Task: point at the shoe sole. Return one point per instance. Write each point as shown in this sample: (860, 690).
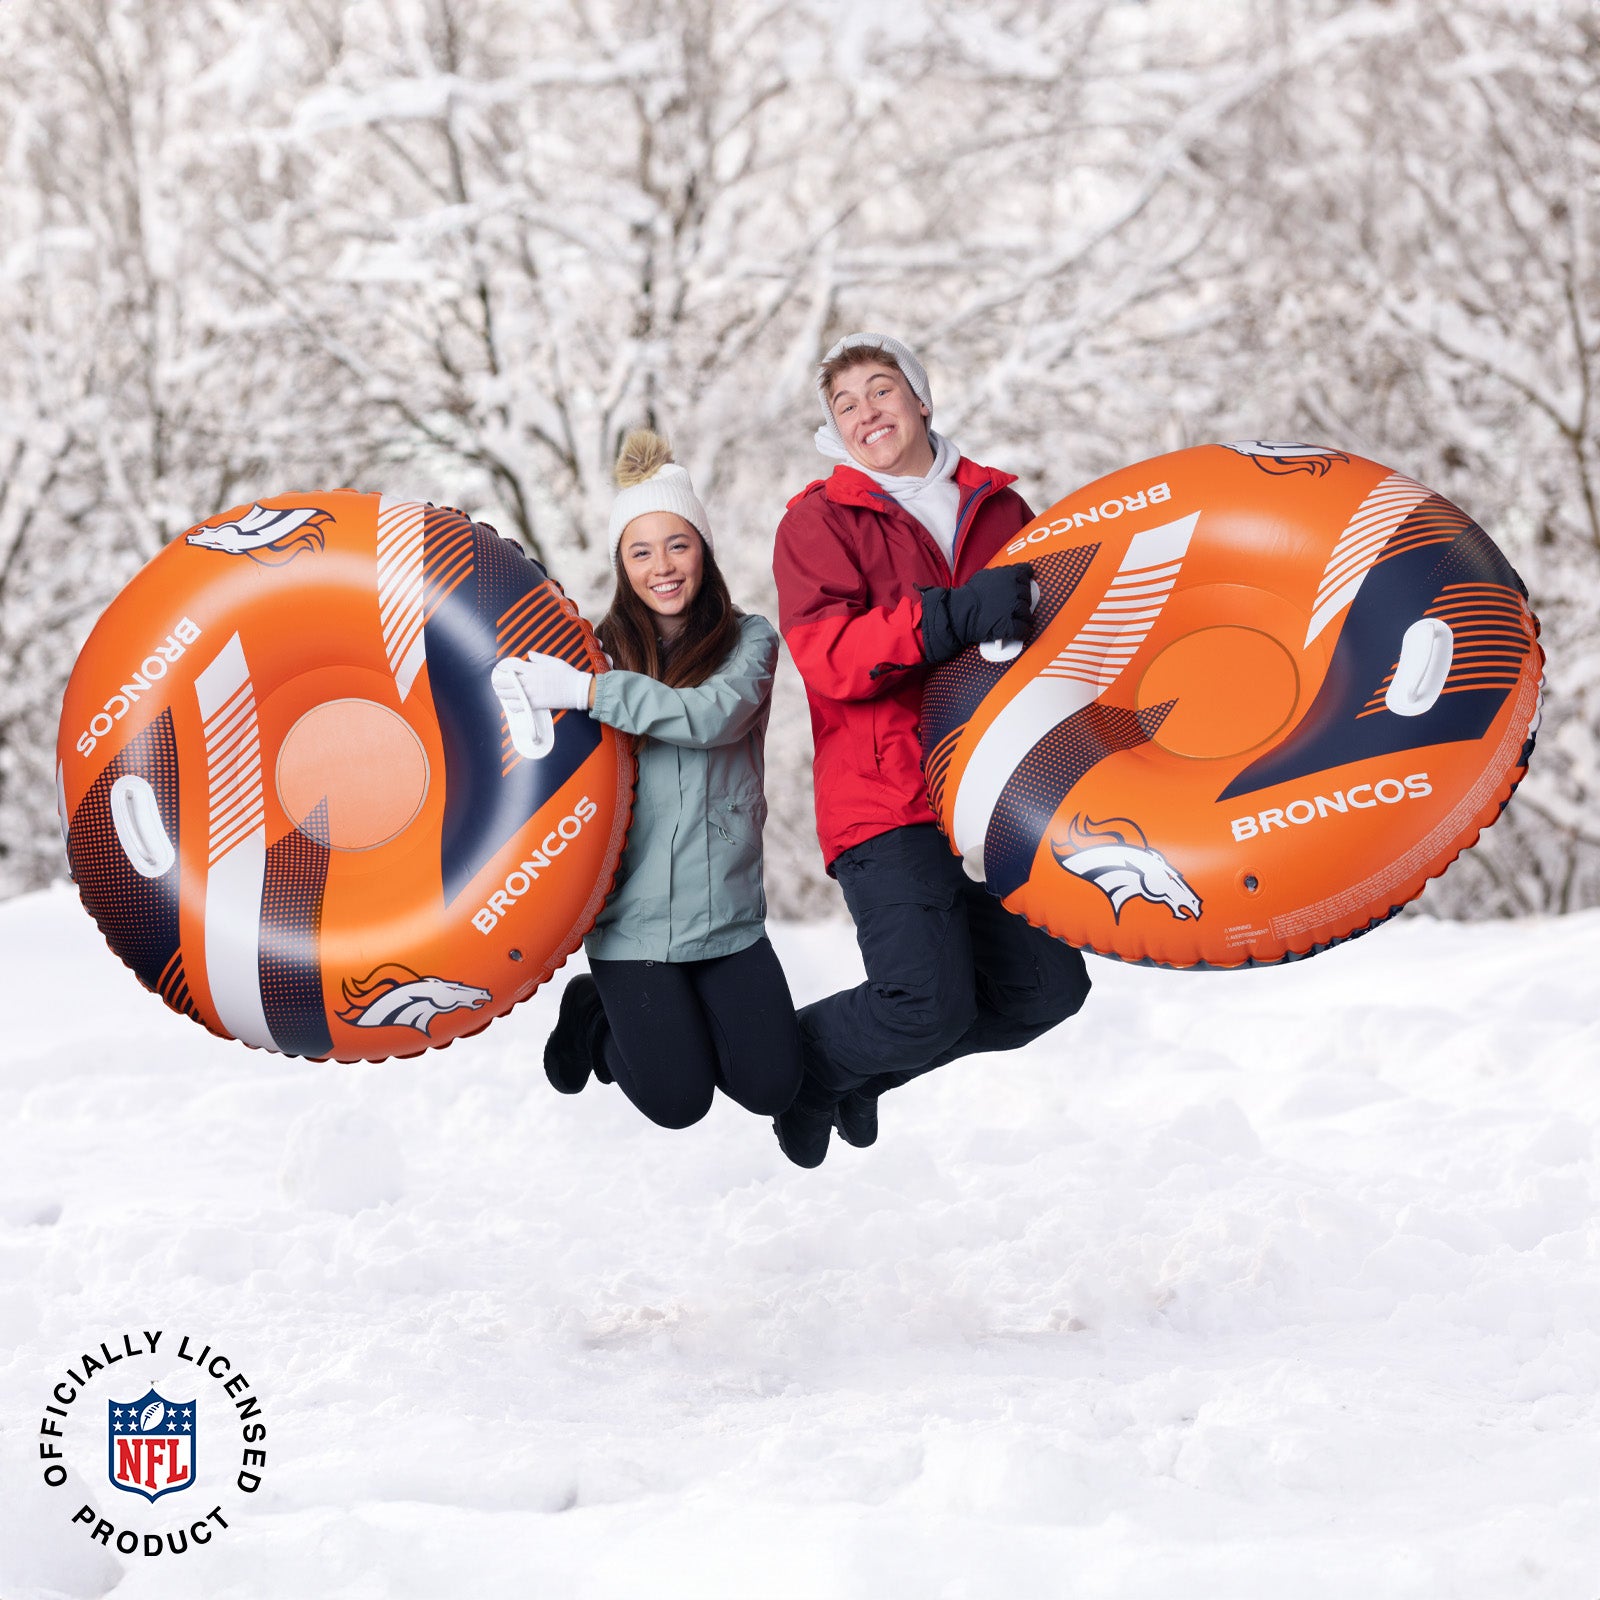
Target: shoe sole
(854, 1143)
(789, 1155)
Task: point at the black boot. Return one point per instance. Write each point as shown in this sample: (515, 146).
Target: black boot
(856, 1117)
(574, 1047)
(804, 1128)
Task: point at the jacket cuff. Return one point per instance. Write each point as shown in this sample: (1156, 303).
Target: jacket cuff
(605, 697)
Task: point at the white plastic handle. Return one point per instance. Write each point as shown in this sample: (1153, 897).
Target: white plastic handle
(1425, 656)
(998, 650)
(533, 729)
(137, 818)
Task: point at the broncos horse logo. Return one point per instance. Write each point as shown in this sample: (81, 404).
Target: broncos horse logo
(392, 996)
(1280, 457)
(268, 536)
(1116, 858)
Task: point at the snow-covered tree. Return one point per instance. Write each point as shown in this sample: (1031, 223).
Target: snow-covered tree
(1412, 250)
(455, 248)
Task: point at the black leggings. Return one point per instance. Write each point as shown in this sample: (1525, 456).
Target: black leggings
(678, 1030)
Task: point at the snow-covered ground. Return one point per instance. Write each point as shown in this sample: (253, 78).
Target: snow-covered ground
(1280, 1283)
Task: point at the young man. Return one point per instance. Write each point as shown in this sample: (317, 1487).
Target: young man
(880, 576)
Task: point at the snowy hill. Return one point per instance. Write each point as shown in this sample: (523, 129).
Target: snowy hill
(1264, 1284)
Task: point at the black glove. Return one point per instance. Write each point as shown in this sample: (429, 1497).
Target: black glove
(996, 603)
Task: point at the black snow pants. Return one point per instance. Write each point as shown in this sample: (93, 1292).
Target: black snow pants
(676, 1031)
(950, 972)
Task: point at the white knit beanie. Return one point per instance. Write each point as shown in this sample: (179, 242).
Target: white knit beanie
(911, 369)
(652, 481)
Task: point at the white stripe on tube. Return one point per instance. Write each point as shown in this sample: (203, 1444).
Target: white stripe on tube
(233, 940)
(1049, 699)
(1360, 545)
(400, 588)
(238, 844)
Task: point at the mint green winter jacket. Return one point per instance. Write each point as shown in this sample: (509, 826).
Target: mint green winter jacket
(689, 887)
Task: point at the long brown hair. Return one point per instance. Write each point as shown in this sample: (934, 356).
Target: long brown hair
(710, 627)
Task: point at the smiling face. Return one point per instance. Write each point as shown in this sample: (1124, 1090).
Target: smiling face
(883, 424)
(664, 562)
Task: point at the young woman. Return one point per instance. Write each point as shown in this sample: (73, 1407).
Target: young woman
(686, 995)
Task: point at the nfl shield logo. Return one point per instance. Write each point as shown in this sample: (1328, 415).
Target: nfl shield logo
(150, 1445)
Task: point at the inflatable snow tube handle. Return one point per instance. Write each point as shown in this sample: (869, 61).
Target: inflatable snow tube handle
(294, 800)
(136, 815)
(1426, 653)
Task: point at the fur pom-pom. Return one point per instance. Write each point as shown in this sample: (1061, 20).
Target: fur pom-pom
(644, 453)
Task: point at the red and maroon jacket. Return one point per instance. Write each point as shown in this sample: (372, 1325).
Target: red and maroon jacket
(849, 560)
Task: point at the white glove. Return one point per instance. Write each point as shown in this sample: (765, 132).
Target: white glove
(528, 691)
(546, 683)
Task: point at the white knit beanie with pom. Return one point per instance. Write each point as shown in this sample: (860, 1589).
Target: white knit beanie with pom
(649, 479)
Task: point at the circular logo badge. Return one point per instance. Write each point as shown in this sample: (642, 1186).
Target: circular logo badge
(151, 1441)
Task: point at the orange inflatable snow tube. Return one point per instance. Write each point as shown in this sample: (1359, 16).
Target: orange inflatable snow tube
(292, 799)
(1269, 691)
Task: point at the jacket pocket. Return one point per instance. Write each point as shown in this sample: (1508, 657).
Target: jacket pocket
(740, 821)
(734, 861)
(880, 732)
